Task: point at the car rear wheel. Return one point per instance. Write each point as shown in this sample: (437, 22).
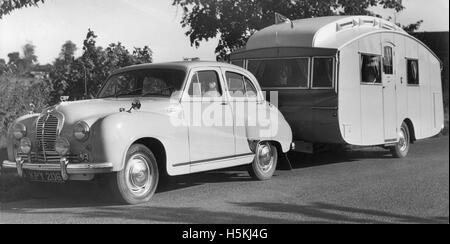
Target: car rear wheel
(137, 181)
(265, 162)
(401, 148)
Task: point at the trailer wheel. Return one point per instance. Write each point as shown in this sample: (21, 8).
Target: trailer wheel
(401, 148)
(137, 181)
(265, 162)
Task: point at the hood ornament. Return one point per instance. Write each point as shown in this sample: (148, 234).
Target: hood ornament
(136, 105)
(64, 98)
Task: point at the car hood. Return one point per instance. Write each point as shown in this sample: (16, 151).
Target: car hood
(91, 110)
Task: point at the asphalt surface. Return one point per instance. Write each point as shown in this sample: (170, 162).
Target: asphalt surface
(360, 186)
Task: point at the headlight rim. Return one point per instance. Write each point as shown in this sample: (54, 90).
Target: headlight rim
(84, 126)
(23, 130)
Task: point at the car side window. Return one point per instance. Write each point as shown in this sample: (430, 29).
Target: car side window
(250, 90)
(205, 84)
(239, 85)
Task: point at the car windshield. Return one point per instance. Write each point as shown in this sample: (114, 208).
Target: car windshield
(144, 82)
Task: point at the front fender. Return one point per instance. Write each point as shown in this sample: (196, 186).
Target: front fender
(114, 134)
(29, 121)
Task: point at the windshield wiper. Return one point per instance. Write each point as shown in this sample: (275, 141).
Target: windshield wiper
(157, 94)
(127, 92)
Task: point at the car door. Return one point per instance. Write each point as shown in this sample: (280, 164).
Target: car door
(209, 117)
(246, 104)
(389, 93)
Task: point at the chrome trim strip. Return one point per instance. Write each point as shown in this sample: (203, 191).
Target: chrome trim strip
(324, 108)
(9, 164)
(214, 160)
(84, 168)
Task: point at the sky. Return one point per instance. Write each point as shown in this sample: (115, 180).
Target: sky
(136, 23)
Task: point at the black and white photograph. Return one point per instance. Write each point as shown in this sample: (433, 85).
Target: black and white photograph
(246, 113)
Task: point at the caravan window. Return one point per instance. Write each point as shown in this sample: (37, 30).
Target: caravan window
(388, 66)
(239, 63)
(280, 73)
(323, 73)
(370, 69)
(413, 71)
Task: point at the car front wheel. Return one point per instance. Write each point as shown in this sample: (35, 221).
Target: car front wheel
(137, 181)
(265, 162)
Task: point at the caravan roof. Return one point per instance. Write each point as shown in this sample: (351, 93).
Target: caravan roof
(323, 32)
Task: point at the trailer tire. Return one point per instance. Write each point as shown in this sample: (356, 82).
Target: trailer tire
(401, 148)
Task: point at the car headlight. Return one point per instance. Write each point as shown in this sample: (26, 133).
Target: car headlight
(62, 146)
(19, 130)
(25, 145)
(81, 131)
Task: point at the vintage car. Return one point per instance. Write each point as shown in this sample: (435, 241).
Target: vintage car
(150, 120)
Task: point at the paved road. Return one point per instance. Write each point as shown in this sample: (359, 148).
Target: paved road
(361, 186)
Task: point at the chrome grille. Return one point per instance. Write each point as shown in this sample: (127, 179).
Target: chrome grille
(46, 133)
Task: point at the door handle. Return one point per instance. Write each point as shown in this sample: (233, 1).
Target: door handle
(223, 103)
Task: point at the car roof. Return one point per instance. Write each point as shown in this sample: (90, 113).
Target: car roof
(181, 65)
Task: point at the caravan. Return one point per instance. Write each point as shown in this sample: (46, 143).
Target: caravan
(355, 80)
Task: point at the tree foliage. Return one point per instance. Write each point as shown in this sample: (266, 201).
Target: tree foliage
(233, 22)
(66, 76)
(21, 64)
(6, 6)
(71, 75)
(413, 26)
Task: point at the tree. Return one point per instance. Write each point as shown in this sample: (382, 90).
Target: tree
(68, 50)
(29, 57)
(3, 66)
(6, 6)
(13, 58)
(24, 64)
(412, 27)
(233, 22)
(70, 75)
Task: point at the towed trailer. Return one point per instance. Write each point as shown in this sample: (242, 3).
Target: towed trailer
(355, 80)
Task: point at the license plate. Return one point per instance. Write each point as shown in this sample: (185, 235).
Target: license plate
(44, 176)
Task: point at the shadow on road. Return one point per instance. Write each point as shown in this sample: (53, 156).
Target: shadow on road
(257, 213)
(335, 213)
(303, 160)
(95, 193)
(89, 194)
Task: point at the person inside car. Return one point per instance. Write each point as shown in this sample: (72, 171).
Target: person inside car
(212, 90)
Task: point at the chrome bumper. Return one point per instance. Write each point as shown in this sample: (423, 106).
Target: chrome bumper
(64, 166)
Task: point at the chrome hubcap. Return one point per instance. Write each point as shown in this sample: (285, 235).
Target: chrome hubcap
(139, 175)
(264, 157)
(403, 140)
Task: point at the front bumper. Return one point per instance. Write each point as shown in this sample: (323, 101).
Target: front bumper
(64, 167)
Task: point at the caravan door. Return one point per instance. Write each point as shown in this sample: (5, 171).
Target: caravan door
(389, 94)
